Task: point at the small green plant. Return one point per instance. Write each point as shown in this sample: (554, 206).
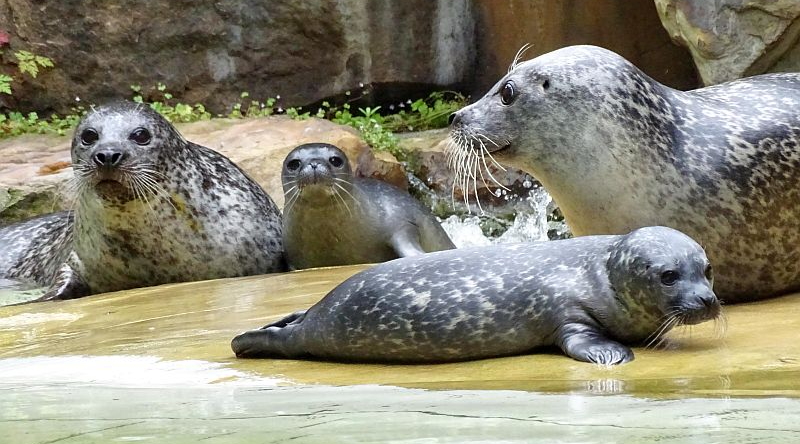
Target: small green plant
(27, 63)
(428, 113)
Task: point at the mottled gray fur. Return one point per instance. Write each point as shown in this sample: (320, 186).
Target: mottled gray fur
(587, 295)
(618, 150)
(151, 208)
(334, 218)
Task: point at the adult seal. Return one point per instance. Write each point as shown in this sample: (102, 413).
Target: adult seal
(334, 218)
(587, 295)
(151, 208)
(618, 150)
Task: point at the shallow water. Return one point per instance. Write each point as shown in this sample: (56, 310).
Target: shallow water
(155, 364)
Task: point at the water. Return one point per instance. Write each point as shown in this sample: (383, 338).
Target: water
(535, 220)
(155, 365)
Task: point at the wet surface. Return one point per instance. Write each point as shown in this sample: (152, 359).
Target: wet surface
(155, 364)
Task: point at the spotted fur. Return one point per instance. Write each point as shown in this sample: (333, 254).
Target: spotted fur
(586, 295)
(618, 151)
(174, 211)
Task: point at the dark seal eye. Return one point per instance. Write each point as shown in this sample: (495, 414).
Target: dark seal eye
(669, 277)
(546, 84)
(336, 161)
(293, 165)
(140, 136)
(89, 136)
(508, 93)
(709, 273)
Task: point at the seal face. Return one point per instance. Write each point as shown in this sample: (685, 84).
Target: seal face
(618, 151)
(334, 218)
(151, 208)
(587, 295)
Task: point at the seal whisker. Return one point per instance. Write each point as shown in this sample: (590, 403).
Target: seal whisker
(518, 56)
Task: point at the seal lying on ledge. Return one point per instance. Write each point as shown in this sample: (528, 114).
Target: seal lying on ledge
(151, 208)
(618, 150)
(334, 218)
(586, 295)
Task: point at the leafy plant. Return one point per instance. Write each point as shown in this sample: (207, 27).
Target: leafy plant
(29, 63)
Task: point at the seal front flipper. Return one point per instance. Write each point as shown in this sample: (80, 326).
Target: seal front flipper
(68, 285)
(586, 344)
(405, 242)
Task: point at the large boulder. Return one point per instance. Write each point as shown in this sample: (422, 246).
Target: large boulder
(34, 170)
(304, 51)
(209, 51)
(730, 39)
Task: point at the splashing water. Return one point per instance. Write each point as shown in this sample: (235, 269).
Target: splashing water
(533, 222)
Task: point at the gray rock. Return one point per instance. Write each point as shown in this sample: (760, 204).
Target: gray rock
(729, 39)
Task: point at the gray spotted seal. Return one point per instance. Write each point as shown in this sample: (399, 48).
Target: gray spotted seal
(151, 208)
(618, 150)
(334, 218)
(587, 295)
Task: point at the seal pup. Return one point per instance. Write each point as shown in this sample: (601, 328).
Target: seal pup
(150, 208)
(334, 218)
(618, 150)
(587, 295)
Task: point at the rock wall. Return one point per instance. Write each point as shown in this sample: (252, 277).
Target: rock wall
(304, 51)
(211, 51)
(729, 39)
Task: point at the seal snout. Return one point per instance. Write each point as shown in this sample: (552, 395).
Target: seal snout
(701, 306)
(108, 158)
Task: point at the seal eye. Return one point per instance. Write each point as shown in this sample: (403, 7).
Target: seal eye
(709, 273)
(508, 93)
(293, 165)
(546, 84)
(141, 136)
(89, 136)
(669, 277)
(336, 161)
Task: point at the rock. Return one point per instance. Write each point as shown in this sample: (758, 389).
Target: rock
(34, 171)
(211, 51)
(729, 39)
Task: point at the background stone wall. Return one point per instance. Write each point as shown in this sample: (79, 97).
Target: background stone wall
(211, 51)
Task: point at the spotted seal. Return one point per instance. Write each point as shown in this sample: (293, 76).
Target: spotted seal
(151, 208)
(586, 295)
(618, 150)
(334, 218)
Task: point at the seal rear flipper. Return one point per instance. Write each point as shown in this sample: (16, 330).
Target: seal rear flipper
(293, 318)
(267, 342)
(68, 285)
(584, 343)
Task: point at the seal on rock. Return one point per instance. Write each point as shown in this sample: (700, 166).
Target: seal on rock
(587, 295)
(333, 218)
(618, 150)
(151, 208)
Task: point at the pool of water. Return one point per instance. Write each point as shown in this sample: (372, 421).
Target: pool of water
(155, 365)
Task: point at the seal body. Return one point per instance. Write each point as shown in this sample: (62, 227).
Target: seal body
(34, 250)
(151, 208)
(334, 218)
(587, 295)
(618, 151)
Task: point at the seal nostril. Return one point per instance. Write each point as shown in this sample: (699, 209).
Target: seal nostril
(116, 158)
(452, 118)
(100, 159)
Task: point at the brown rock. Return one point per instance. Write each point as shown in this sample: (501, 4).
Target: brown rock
(34, 169)
(730, 39)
